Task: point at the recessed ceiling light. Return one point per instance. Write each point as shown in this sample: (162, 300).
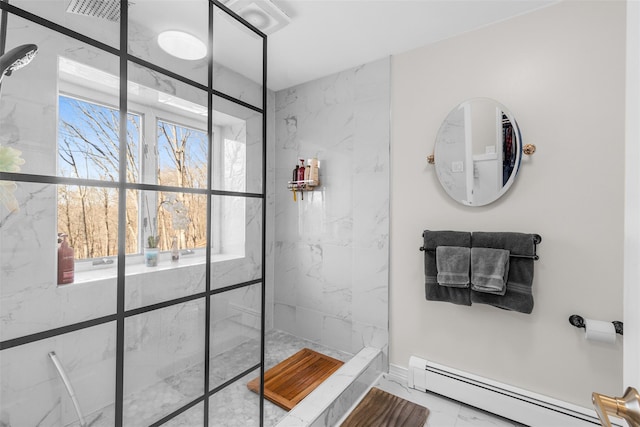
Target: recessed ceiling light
(182, 45)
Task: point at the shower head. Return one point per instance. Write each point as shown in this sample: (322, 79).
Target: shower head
(16, 58)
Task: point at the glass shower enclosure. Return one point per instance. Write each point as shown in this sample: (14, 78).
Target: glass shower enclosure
(132, 211)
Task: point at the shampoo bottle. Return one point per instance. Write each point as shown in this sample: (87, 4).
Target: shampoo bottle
(314, 173)
(301, 170)
(307, 171)
(65, 262)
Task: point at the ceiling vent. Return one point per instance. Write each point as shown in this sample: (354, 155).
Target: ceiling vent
(105, 9)
(262, 14)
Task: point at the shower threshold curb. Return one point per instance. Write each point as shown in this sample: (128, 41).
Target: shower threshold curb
(329, 402)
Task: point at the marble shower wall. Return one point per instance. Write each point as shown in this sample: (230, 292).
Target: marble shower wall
(332, 248)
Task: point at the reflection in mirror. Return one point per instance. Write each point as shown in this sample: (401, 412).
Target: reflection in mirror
(478, 151)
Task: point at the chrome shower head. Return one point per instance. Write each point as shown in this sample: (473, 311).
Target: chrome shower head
(16, 58)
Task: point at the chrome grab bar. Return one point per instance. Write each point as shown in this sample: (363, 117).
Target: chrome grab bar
(69, 387)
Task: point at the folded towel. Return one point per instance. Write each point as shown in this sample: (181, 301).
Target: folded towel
(518, 295)
(452, 263)
(489, 270)
(433, 291)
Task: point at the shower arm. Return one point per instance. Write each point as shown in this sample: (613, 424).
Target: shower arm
(68, 386)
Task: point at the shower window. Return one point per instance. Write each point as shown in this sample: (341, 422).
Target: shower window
(182, 155)
(88, 148)
(88, 217)
(88, 144)
(181, 158)
(179, 215)
(174, 155)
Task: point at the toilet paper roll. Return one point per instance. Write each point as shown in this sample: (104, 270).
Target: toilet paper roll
(600, 331)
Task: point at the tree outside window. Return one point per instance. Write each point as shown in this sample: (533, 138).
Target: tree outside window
(88, 148)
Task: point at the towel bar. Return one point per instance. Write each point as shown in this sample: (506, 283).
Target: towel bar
(534, 257)
(536, 241)
(536, 238)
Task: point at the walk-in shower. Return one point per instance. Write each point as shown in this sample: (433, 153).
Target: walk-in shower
(126, 153)
(153, 169)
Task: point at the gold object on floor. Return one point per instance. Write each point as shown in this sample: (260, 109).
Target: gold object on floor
(626, 407)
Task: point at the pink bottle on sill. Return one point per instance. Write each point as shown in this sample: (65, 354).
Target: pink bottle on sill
(65, 262)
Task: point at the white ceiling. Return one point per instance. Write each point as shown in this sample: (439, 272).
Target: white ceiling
(328, 36)
(324, 36)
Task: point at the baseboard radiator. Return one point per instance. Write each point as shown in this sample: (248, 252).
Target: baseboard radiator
(501, 399)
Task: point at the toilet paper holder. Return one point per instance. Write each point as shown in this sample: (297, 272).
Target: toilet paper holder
(578, 322)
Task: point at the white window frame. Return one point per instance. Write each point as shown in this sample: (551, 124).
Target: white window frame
(147, 154)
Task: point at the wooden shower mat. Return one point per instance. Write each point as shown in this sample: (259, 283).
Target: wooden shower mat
(381, 409)
(291, 380)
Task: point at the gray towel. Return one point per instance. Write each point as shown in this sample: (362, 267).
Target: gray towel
(452, 263)
(489, 270)
(518, 296)
(433, 291)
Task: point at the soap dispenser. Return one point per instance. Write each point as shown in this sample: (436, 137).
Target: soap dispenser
(65, 261)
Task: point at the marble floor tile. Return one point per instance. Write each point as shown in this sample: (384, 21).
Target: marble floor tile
(240, 406)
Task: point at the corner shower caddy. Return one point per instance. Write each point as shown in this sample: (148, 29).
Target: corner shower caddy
(304, 185)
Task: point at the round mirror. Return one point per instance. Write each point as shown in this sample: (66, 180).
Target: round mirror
(478, 151)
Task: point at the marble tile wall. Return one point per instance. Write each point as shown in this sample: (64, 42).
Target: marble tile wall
(31, 390)
(332, 248)
(30, 301)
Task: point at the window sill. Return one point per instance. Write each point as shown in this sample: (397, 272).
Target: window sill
(136, 266)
